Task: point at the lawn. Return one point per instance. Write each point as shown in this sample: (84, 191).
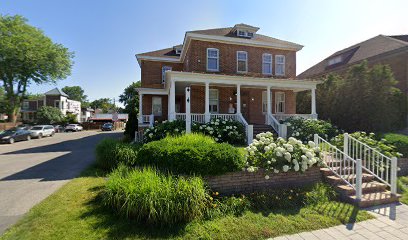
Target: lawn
(75, 212)
(403, 187)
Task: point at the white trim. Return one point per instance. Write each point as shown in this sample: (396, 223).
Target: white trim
(152, 91)
(246, 61)
(158, 59)
(218, 60)
(271, 63)
(169, 68)
(278, 63)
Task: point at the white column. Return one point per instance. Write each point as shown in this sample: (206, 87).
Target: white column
(313, 101)
(207, 102)
(268, 100)
(188, 110)
(238, 99)
(140, 108)
(172, 96)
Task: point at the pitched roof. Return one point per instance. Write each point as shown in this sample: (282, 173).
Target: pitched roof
(372, 47)
(166, 52)
(56, 91)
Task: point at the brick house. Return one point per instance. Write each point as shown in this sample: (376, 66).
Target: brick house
(54, 98)
(231, 72)
(381, 49)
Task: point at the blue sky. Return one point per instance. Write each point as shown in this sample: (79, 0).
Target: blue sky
(106, 34)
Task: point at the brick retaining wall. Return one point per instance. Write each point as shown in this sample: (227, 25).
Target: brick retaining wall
(403, 164)
(246, 182)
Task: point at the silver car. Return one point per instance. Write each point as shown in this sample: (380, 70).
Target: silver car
(39, 131)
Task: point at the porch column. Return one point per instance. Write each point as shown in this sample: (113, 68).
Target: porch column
(172, 100)
(314, 114)
(140, 108)
(238, 98)
(207, 102)
(268, 104)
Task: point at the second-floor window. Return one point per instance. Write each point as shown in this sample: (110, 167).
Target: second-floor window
(279, 65)
(267, 64)
(242, 62)
(164, 70)
(212, 59)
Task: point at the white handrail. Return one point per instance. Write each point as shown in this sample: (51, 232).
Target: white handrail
(374, 162)
(280, 129)
(249, 130)
(341, 164)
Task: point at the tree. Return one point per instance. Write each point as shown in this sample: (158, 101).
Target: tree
(28, 56)
(3, 102)
(76, 93)
(103, 103)
(70, 118)
(49, 115)
(130, 98)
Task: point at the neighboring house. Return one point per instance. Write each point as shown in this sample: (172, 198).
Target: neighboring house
(390, 50)
(109, 117)
(233, 72)
(87, 114)
(54, 98)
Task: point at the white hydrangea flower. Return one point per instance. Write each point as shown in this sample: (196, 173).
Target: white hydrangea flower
(311, 144)
(285, 168)
(288, 156)
(276, 171)
(296, 167)
(266, 177)
(268, 162)
(267, 148)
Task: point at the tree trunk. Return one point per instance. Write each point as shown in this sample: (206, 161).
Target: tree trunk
(13, 113)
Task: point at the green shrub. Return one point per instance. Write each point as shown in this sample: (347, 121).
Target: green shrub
(164, 129)
(400, 141)
(229, 131)
(111, 152)
(304, 129)
(191, 154)
(380, 144)
(155, 198)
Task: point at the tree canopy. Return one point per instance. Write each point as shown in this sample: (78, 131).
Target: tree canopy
(364, 99)
(75, 93)
(49, 115)
(130, 98)
(28, 56)
(105, 104)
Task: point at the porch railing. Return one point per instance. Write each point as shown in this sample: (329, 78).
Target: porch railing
(374, 162)
(225, 116)
(284, 116)
(280, 128)
(195, 117)
(249, 129)
(147, 120)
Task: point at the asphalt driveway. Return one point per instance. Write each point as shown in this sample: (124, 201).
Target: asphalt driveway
(31, 171)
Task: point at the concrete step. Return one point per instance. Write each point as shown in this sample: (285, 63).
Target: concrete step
(367, 187)
(374, 199)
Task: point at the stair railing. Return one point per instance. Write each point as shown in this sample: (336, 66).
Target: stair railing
(374, 162)
(249, 129)
(280, 128)
(342, 165)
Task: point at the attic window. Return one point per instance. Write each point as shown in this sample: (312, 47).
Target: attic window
(178, 51)
(334, 60)
(242, 33)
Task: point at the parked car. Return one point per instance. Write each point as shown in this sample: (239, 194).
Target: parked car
(24, 126)
(58, 128)
(107, 127)
(14, 135)
(40, 131)
(73, 128)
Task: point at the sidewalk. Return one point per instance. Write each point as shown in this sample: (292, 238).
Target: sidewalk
(391, 223)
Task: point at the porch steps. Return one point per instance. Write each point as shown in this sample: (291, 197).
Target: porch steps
(373, 192)
(263, 128)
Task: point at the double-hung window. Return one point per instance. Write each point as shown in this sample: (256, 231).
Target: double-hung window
(265, 102)
(164, 70)
(213, 60)
(279, 65)
(214, 101)
(279, 102)
(242, 62)
(267, 64)
(157, 106)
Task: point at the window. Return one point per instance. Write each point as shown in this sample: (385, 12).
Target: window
(213, 100)
(212, 59)
(164, 70)
(26, 105)
(267, 64)
(250, 34)
(178, 51)
(241, 33)
(242, 61)
(279, 102)
(157, 106)
(264, 102)
(279, 65)
(334, 60)
(57, 103)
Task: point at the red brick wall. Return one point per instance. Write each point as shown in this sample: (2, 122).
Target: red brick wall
(245, 182)
(152, 73)
(196, 58)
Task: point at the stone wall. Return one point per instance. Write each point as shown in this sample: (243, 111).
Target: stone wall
(246, 182)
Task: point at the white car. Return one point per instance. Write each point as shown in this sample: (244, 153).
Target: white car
(73, 128)
(39, 131)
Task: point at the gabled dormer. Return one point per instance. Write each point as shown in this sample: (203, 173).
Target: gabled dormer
(244, 30)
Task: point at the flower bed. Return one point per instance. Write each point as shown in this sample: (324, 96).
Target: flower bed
(279, 155)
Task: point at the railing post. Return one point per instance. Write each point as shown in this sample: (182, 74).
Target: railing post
(283, 130)
(316, 139)
(359, 179)
(345, 145)
(151, 120)
(250, 134)
(394, 167)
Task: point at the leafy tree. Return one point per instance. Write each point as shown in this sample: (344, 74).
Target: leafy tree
(3, 102)
(103, 103)
(49, 115)
(28, 56)
(70, 118)
(130, 98)
(362, 99)
(76, 93)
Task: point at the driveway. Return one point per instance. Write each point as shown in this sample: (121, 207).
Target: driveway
(31, 171)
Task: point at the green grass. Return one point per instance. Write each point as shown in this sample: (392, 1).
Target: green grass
(76, 212)
(403, 187)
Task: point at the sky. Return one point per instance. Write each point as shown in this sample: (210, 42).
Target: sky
(105, 35)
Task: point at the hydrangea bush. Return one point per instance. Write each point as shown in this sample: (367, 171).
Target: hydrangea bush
(279, 155)
(163, 129)
(304, 129)
(229, 131)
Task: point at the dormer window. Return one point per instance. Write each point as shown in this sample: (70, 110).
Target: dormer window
(241, 33)
(244, 33)
(334, 60)
(178, 51)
